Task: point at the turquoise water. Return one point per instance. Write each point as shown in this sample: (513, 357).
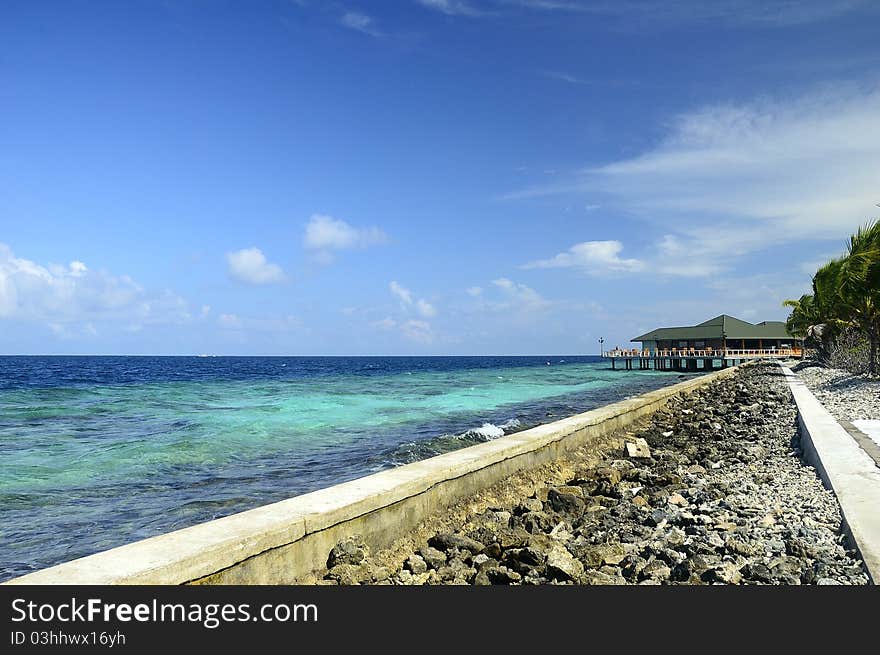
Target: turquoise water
(96, 452)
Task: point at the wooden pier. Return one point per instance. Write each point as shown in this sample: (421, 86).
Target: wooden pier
(693, 361)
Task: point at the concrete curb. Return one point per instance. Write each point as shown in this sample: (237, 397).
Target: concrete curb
(288, 541)
(845, 468)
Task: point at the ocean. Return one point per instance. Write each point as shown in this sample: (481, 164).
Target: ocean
(96, 452)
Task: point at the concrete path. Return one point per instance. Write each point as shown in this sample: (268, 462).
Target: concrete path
(845, 468)
(869, 427)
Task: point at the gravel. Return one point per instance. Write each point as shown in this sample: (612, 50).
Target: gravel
(848, 397)
(715, 494)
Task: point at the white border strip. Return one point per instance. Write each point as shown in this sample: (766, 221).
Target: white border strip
(845, 468)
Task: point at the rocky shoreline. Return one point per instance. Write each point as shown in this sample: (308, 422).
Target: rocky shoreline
(710, 490)
(848, 397)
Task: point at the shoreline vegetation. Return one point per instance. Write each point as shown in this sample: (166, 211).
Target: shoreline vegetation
(841, 318)
(712, 489)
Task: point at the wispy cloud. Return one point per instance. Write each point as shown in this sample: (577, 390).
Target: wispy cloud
(251, 267)
(425, 308)
(325, 234)
(359, 22)
(408, 300)
(804, 167)
(516, 296)
(545, 5)
(452, 7)
(418, 331)
(748, 13)
(386, 323)
(562, 76)
(736, 178)
(404, 294)
(594, 257)
(648, 14)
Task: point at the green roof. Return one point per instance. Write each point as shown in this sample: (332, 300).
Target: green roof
(718, 327)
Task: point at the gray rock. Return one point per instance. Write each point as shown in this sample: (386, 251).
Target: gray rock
(501, 575)
(561, 565)
(449, 540)
(433, 557)
(350, 574)
(565, 503)
(726, 573)
(350, 550)
(656, 570)
(529, 505)
(416, 564)
(601, 578)
(638, 449)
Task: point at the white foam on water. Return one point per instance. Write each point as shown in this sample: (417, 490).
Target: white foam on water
(490, 431)
(487, 431)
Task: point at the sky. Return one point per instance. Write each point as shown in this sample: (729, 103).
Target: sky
(422, 177)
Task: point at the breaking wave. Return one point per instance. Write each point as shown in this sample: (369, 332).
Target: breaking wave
(413, 451)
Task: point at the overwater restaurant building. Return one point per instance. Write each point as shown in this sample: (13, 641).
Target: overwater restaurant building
(722, 333)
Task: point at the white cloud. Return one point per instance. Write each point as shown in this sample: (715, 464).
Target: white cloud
(419, 331)
(359, 22)
(451, 7)
(562, 76)
(732, 179)
(206, 309)
(64, 295)
(251, 266)
(425, 308)
(325, 233)
(386, 323)
(649, 14)
(792, 169)
(750, 13)
(593, 257)
(415, 330)
(517, 296)
(401, 292)
(474, 291)
(673, 256)
(408, 300)
(690, 257)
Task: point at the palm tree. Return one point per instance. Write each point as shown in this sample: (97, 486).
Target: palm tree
(804, 322)
(846, 294)
(858, 286)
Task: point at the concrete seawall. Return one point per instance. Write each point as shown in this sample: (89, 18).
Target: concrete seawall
(286, 542)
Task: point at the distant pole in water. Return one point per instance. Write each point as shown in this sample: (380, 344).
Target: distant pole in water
(601, 351)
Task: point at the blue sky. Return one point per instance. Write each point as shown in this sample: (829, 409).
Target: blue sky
(422, 176)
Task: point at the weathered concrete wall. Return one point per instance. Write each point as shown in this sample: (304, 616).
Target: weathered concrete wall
(287, 541)
(845, 468)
